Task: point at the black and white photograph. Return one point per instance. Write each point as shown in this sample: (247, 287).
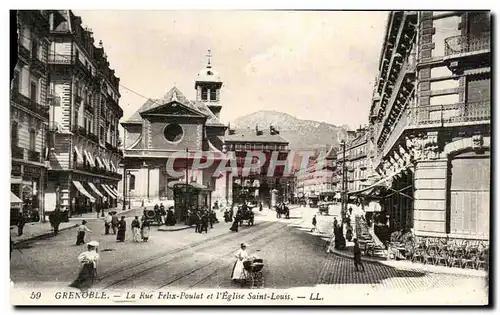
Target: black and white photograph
(250, 157)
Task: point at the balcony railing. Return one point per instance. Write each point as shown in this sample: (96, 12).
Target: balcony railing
(28, 103)
(109, 146)
(33, 156)
(89, 106)
(17, 152)
(79, 130)
(435, 116)
(24, 52)
(61, 59)
(451, 113)
(466, 43)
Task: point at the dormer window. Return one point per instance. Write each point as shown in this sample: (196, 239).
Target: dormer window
(213, 94)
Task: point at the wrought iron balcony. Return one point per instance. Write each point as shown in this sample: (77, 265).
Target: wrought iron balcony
(109, 146)
(17, 152)
(78, 99)
(33, 156)
(30, 104)
(467, 44)
(24, 52)
(79, 130)
(89, 106)
(451, 113)
(61, 59)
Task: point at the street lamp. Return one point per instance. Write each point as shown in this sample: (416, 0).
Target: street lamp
(145, 165)
(129, 175)
(124, 187)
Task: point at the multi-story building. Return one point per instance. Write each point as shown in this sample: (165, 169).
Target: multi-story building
(83, 134)
(317, 178)
(357, 148)
(29, 113)
(260, 184)
(178, 131)
(430, 118)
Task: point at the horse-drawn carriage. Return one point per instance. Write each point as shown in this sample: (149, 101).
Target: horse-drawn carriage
(154, 217)
(282, 210)
(245, 213)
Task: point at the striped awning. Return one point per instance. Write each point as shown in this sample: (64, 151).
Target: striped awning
(106, 163)
(108, 191)
(89, 157)
(99, 161)
(83, 191)
(79, 155)
(113, 190)
(14, 198)
(477, 71)
(97, 192)
(113, 168)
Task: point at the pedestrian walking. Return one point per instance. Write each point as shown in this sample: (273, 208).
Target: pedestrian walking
(88, 273)
(197, 218)
(80, 233)
(21, 222)
(234, 226)
(357, 256)
(107, 223)
(145, 229)
(114, 222)
(314, 222)
(204, 223)
(122, 228)
(136, 229)
(55, 219)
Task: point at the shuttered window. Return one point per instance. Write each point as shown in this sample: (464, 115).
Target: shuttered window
(470, 196)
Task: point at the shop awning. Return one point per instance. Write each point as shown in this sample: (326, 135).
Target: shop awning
(99, 161)
(82, 190)
(113, 190)
(368, 190)
(98, 193)
(113, 168)
(106, 189)
(89, 157)
(106, 164)
(14, 198)
(79, 155)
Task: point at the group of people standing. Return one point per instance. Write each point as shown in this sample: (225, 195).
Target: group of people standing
(163, 216)
(202, 219)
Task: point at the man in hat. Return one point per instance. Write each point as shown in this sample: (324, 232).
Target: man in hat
(107, 223)
(80, 233)
(88, 273)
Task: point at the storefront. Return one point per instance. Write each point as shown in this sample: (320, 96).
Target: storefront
(194, 196)
(27, 184)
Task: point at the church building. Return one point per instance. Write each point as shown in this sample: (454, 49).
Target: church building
(176, 130)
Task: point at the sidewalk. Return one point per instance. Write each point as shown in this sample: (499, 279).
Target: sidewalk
(38, 230)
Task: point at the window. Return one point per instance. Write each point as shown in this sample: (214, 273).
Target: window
(102, 133)
(14, 134)
(15, 81)
(77, 54)
(32, 140)
(248, 146)
(213, 94)
(33, 91)
(258, 146)
(204, 94)
(76, 122)
(34, 49)
(173, 133)
(238, 147)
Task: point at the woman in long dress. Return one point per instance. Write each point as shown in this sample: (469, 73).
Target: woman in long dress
(80, 233)
(122, 227)
(145, 229)
(88, 273)
(241, 257)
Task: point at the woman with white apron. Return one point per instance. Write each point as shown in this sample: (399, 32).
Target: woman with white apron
(241, 257)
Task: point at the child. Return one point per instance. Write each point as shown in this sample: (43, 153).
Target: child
(357, 256)
(80, 236)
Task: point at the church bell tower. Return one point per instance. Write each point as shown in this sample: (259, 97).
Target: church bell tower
(208, 85)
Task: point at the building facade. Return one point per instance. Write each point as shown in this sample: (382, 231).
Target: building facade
(318, 177)
(430, 123)
(179, 131)
(83, 136)
(259, 183)
(29, 113)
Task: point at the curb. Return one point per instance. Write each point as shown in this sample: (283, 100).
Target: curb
(170, 229)
(43, 235)
(414, 266)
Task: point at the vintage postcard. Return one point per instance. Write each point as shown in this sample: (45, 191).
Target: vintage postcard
(250, 157)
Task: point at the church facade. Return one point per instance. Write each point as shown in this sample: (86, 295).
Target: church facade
(165, 140)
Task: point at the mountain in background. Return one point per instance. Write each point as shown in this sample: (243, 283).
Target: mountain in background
(301, 134)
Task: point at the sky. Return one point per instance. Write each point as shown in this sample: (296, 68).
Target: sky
(315, 65)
